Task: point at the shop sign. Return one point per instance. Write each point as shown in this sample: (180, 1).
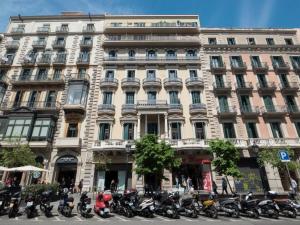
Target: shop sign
(67, 160)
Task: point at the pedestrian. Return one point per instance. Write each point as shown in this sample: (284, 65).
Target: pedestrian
(113, 186)
(184, 184)
(224, 186)
(189, 183)
(177, 182)
(215, 187)
(294, 185)
(72, 186)
(80, 185)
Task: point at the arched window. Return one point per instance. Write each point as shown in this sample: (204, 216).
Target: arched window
(131, 53)
(171, 54)
(191, 53)
(151, 54)
(112, 54)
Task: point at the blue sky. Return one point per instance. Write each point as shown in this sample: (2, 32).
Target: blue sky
(213, 13)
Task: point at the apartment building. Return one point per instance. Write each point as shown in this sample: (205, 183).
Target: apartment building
(77, 87)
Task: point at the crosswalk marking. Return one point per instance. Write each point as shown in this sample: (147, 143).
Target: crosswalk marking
(16, 218)
(120, 218)
(162, 218)
(78, 218)
(143, 219)
(186, 219)
(57, 219)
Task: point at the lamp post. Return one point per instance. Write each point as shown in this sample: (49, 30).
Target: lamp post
(127, 149)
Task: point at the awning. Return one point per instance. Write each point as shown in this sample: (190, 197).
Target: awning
(26, 168)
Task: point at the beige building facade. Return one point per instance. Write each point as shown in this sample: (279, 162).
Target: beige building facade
(78, 88)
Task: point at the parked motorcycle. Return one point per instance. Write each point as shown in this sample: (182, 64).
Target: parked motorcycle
(249, 206)
(294, 202)
(122, 204)
(4, 200)
(230, 206)
(84, 205)
(165, 205)
(45, 206)
(206, 203)
(268, 206)
(14, 204)
(66, 204)
(186, 205)
(101, 206)
(143, 207)
(30, 208)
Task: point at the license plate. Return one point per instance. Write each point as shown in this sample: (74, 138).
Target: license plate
(106, 210)
(277, 207)
(29, 204)
(151, 207)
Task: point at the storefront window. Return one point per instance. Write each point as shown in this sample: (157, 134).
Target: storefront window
(77, 94)
(18, 128)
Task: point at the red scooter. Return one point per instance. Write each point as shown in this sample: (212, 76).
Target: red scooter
(102, 204)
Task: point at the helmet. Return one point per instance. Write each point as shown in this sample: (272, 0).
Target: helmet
(66, 190)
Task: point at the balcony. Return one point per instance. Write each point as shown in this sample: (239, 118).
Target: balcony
(17, 30)
(152, 105)
(44, 80)
(40, 106)
(281, 67)
(217, 67)
(112, 145)
(249, 111)
(44, 60)
(79, 77)
(238, 67)
(88, 30)
(198, 108)
(6, 62)
(86, 44)
(130, 83)
(129, 109)
(29, 60)
(61, 44)
(74, 111)
(109, 83)
(106, 109)
(43, 30)
(62, 30)
(172, 83)
(274, 142)
(12, 45)
(267, 87)
(151, 40)
(289, 88)
(274, 111)
(293, 110)
(152, 83)
(60, 59)
(175, 109)
(83, 60)
(260, 67)
(68, 142)
(222, 88)
(227, 112)
(245, 87)
(194, 82)
(39, 44)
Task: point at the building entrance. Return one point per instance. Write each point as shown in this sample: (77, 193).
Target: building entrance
(66, 167)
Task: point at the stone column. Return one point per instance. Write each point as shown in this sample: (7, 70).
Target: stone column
(138, 132)
(158, 125)
(273, 178)
(166, 126)
(167, 184)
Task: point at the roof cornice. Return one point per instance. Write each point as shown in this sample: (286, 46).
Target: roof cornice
(248, 31)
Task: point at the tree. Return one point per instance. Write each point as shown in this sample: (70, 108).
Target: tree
(152, 157)
(226, 157)
(19, 155)
(271, 156)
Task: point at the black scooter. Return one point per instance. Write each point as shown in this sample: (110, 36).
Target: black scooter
(268, 206)
(165, 205)
(230, 206)
(4, 200)
(186, 205)
(14, 204)
(249, 206)
(84, 205)
(66, 204)
(45, 206)
(30, 208)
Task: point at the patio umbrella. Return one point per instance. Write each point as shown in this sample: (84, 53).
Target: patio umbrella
(26, 168)
(2, 168)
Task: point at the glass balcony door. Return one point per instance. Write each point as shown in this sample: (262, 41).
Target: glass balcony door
(223, 104)
(269, 103)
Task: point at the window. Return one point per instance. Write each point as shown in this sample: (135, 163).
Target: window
(174, 100)
(295, 62)
(84, 56)
(77, 94)
(18, 98)
(110, 74)
(72, 130)
(112, 54)
(32, 102)
(90, 27)
(245, 103)
(251, 130)
(87, 40)
(107, 98)
(191, 53)
(151, 54)
(251, 41)
(289, 41)
(255, 60)
(236, 61)
(270, 41)
(60, 41)
(104, 132)
(2, 92)
(196, 97)
(297, 125)
(81, 73)
(277, 61)
(25, 75)
(171, 54)
(42, 130)
(131, 74)
(223, 104)
(172, 74)
(18, 128)
(231, 41)
(228, 129)
(42, 74)
(276, 130)
(3, 127)
(131, 53)
(216, 61)
(284, 81)
(128, 133)
(57, 74)
(64, 28)
(262, 80)
(291, 103)
(212, 41)
(268, 103)
(176, 131)
(219, 81)
(151, 74)
(151, 97)
(50, 99)
(240, 81)
(200, 130)
(2, 74)
(129, 98)
(193, 74)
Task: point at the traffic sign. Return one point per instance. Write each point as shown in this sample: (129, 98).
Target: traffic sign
(284, 156)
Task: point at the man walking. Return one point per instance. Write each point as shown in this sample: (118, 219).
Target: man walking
(224, 186)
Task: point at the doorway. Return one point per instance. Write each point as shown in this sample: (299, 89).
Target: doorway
(66, 167)
(152, 128)
(109, 176)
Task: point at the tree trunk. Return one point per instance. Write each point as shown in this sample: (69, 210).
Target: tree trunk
(229, 184)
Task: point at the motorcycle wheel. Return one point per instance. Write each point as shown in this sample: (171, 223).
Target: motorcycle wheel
(194, 214)
(48, 214)
(112, 208)
(275, 214)
(255, 214)
(294, 214)
(78, 208)
(236, 213)
(213, 212)
(11, 213)
(42, 208)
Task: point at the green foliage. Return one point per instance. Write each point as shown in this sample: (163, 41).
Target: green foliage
(271, 156)
(37, 189)
(152, 157)
(19, 155)
(226, 157)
